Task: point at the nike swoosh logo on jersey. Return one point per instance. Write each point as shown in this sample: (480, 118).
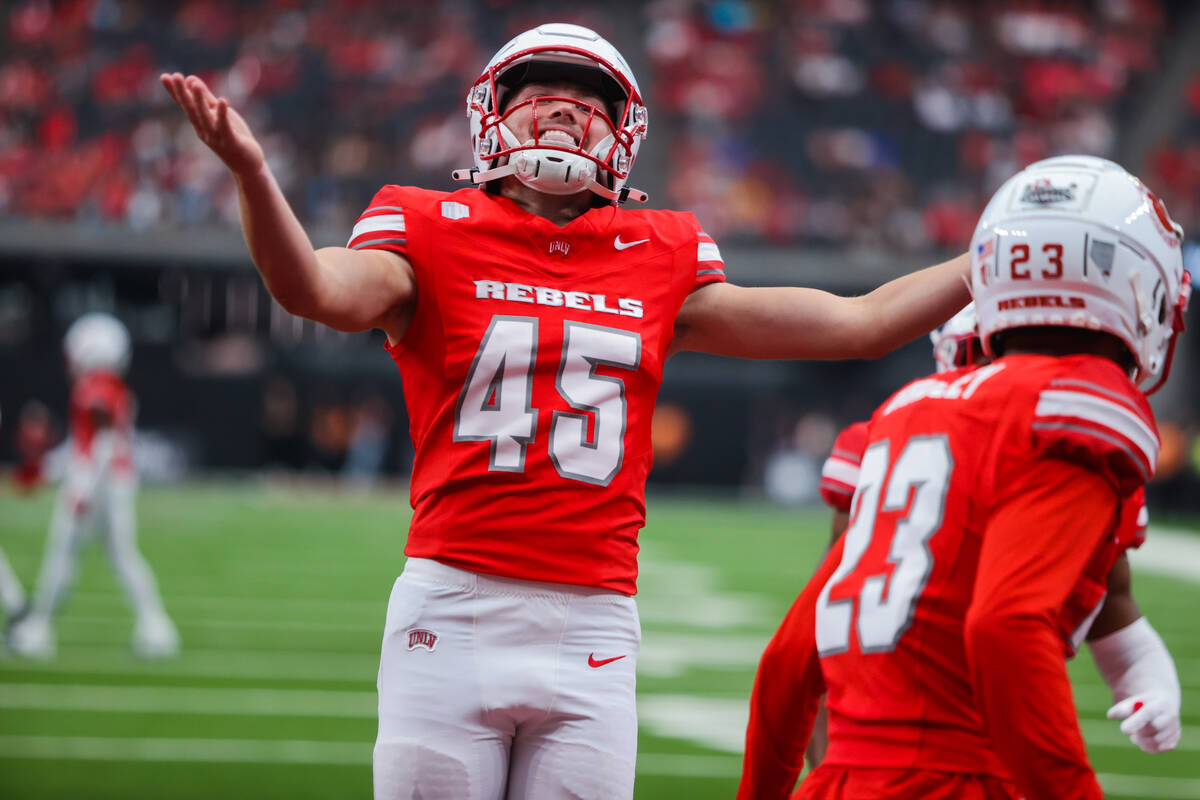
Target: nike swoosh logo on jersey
(617, 243)
(594, 662)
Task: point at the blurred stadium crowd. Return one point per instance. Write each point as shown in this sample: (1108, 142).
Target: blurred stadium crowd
(876, 124)
(830, 126)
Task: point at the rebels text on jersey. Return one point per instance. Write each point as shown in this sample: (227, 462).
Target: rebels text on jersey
(981, 496)
(530, 372)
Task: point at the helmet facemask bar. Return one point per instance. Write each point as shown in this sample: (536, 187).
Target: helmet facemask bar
(593, 113)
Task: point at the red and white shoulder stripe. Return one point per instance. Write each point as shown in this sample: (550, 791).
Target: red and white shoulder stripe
(380, 227)
(1112, 425)
(839, 473)
(709, 264)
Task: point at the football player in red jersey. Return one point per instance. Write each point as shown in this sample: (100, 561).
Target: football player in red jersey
(985, 495)
(530, 323)
(1130, 655)
(98, 491)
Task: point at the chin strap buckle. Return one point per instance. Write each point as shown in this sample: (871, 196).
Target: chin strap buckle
(628, 193)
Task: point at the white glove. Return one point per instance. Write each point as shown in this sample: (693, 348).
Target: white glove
(1151, 720)
(1135, 664)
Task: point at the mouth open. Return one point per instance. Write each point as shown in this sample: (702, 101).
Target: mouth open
(558, 137)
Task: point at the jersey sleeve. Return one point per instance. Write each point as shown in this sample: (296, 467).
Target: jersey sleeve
(1096, 417)
(381, 226)
(1134, 519)
(839, 473)
(710, 267)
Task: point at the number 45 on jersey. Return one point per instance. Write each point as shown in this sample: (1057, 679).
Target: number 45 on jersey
(495, 404)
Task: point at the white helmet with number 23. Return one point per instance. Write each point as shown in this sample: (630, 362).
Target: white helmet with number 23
(97, 341)
(557, 52)
(1077, 241)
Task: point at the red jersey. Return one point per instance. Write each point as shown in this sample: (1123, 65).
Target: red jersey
(932, 627)
(1087, 598)
(839, 477)
(530, 370)
(102, 394)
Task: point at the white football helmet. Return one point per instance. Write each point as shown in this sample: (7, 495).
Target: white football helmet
(557, 52)
(1077, 241)
(956, 343)
(97, 341)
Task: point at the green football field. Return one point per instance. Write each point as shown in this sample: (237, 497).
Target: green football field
(280, 596)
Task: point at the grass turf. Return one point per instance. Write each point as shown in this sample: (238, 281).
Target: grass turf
(280, 592)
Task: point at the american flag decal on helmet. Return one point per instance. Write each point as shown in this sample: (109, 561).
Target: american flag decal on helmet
(422, 637)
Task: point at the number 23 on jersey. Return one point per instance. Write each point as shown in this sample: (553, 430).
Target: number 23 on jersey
(885, 605)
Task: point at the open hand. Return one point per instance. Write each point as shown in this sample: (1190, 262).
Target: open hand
(220, 127)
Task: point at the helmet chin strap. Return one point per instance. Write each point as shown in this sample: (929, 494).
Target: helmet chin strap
(549, 170)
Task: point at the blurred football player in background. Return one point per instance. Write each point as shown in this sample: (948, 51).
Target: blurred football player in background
(98, 493)
(12, 594)
(530, 323)
(991, 506)
(1127, 650)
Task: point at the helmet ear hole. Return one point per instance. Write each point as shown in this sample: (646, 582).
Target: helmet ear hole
(1162, 310)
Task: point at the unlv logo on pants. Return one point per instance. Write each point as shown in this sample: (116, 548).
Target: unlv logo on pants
(422, 637)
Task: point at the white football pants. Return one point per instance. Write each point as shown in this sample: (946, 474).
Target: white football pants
(111, 511)
(12, 596)
(495, 688)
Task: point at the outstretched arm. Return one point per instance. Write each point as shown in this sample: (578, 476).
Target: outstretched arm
(796, 322)
(351, 290)
(1136, 665)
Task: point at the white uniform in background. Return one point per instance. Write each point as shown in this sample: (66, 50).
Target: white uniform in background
(12, 596)
(98, 493)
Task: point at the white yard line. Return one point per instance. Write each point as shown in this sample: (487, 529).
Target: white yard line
(189, 700)
(286, 606)
(1160, 788)
(274, 751)
(718, 723)
(1168, 551)
(1106, 733)
(222, 751)
(667, 655)
(244, 664)
(123, 621)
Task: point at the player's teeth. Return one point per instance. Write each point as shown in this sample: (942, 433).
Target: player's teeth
(558, 136)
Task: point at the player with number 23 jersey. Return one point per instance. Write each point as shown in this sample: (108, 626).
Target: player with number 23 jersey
(984, 499)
